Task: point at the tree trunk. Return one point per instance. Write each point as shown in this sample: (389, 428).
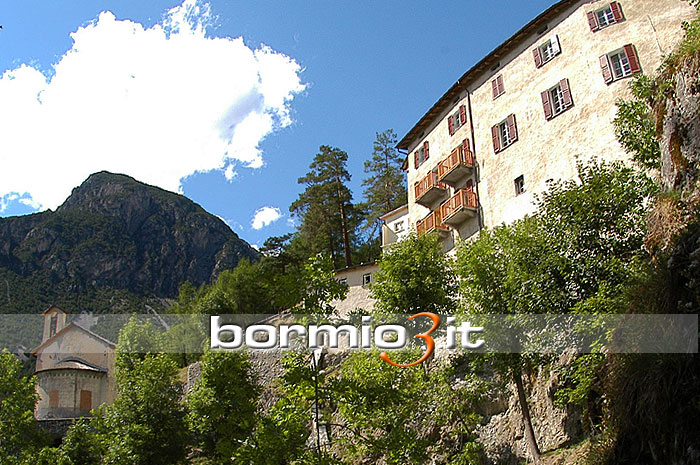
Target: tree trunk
(529, 431)
(344, 225)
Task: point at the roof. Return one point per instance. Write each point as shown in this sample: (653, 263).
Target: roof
(52, 307)
(65, 329)
(356, 267)
(75, 363)
(486, 63)
(394, 211)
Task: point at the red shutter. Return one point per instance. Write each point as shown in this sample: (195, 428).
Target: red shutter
(496, 139)
(633, 58)
(470, 184)
(415, 159)
(494, 87)
(616, 11)
(538, 57)
(512, 128)
(593, 21)
(465, 145)
(425, 147)
(462, 114)
(566, 93)
(547, 105)
(501, 88)
(605, 68)
(450, 125)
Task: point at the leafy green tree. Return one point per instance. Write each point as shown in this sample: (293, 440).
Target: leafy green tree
(82, 445)
(414, 276)
(222, 405)
(17, 399)
(322, 287)
(325, 207)
(385, 186)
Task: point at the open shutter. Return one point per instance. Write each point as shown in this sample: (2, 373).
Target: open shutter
(462, 114)
(616, 11)
(496, 139)
(415, 159)
(501, 88)
(593, 21)
(451, 124)
(537, 56)
(605, 68)
(556, 47)
(547, 105)
(470, 185)
(425, 147)
(494, 87)
(566, 93)
(633, 58)
(512, 128)
(465, 146)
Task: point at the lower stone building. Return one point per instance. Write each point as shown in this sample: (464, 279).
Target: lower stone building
(74, 369)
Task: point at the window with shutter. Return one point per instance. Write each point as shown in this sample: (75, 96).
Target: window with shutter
(547, 51)
(620, 64)
(462, 115)
(496, 139)
(604, 17)
(504, 133)
(457, 119)
(557, 99)
(425, 149)
(497, 86)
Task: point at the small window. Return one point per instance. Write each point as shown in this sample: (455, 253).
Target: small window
(53, 325)
(504, 133)
(399, 226)
(557, 99)
(604, 17)
(421, 155)
(457, 119)
(367, 279)
(343, 280)
(620, 64)
(547, 51)
(519, 185)
(497, 87)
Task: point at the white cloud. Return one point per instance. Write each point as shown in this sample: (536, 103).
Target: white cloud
(156, 103)
(265, 216)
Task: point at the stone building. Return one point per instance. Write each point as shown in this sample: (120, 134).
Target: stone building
(74, 369)
(529, 110)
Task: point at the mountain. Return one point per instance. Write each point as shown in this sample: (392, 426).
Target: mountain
(114, 243)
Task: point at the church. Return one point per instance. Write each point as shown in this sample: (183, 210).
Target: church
(74, 369)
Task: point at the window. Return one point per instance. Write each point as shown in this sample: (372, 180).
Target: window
(519, 185)
(53, 399)
(457, 119)
(421, 155)
(343, 280)
(53, 325)
(497, 87)
(366, 279)
(547, 51)
(504, 133)
(605, 17)
(620, 64)
(398, 226)
(557, 99)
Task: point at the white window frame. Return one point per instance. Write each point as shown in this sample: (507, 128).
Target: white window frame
(519, 184)
(421, 155)
(605, 17)
(367, 279)
(620, 64)
(456, 122)
(399, 226)
(504, 134)
(556, 99)
(547, 51)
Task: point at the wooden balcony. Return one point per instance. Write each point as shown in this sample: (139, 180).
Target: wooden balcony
(429, 189)
(459, 208)
(432, 222)
(457, 165)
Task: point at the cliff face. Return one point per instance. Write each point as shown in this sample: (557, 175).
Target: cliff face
(114, 232)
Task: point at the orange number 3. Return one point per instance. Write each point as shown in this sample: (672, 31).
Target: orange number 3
(429, 342)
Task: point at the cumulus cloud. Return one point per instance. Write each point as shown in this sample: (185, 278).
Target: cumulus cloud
(157, 103)
(265, 216)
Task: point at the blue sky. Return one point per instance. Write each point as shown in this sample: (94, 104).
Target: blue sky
(334, 73)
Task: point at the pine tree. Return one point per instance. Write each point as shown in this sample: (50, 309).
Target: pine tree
(385, 188)
(325, 208)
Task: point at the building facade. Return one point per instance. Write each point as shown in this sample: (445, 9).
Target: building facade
(530, 110)
(74, 369)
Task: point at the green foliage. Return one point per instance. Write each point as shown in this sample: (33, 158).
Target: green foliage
(322, 287)
(222, 405)
(635, 124)
(414, 276)
(145, 425)
(385, 187)
(137, 341)
(17, 399)
(81, 445)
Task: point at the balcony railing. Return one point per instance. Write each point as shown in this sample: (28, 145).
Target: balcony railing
(456, 166)
(429, 189)
(460, 207)
(430, 223)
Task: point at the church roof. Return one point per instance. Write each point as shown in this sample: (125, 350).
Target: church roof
(75, 363)
(80, 328)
